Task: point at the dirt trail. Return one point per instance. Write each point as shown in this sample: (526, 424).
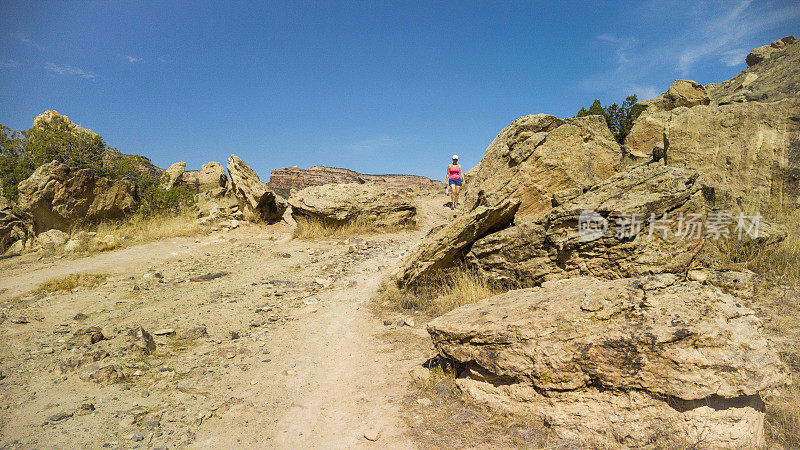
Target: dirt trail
(294, 357)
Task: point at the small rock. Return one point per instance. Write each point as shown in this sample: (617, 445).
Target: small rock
(424, 401)
(137, 437)
(387, 322)
(19, 320)
(80, 317)
(60, 416)
(107, 375)
(164, 332)
(409, 322)
(235, 335)
(195, 333)
(141, 340)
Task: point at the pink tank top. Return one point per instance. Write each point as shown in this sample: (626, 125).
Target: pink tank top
(455, 172)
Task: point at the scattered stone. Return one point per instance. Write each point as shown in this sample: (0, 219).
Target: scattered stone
(140, 340)
(80, 317)
(195, 333)
(107, 375)
(387, 322)
(85, 337)
(209, 276)
(164, 332)
(19, 320)
(235, 335)
(424, 402)
(60, 416)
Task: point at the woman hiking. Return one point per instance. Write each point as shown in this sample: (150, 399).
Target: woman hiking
(455, 177)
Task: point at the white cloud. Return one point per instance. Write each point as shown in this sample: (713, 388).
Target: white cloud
(724, 31)
(26, 40)
(9, 63)
(734, 57)
(133, 59)
(69, 70)
(162, 60)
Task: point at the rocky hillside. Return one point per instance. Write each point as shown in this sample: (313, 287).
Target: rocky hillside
(288, 179)
(623, 248)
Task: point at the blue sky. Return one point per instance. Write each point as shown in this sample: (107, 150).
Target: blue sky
(378, 87)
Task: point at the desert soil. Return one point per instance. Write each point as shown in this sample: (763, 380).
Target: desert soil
(296, 354)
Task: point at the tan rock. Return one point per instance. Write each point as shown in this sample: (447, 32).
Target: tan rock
(173, 175)
(743, 151)
(660, 357)
(770, 79)
(447, 244)
(252, 193)
(536, 156)
(57, 196)
(343, 203)
(563, 245)
(212, 177)
(15, 227)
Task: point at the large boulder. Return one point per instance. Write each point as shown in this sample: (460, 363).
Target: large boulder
(342, 203)
(57, 196)
(253, 194)
(173, 175)
(538, 155)
(626, 362)
(447, 244)
(635, 223)
(212, 177)
(747, 153)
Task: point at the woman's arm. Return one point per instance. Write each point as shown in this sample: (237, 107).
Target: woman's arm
(447, 174)
(461, 172)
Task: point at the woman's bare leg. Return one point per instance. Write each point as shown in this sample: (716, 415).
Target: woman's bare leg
(456, 190)
(453, 188)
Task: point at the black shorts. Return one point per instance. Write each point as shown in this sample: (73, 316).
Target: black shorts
(454, 182)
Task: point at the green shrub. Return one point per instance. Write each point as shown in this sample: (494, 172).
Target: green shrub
(21, 152)
(618, 118)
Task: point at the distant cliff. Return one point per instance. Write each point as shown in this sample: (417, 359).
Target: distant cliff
(291, 178)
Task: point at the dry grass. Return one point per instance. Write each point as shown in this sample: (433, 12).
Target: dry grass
(311, 229)
(777, 263)
(152, 228)
(69, 283)
(783, 416)
(460, 286)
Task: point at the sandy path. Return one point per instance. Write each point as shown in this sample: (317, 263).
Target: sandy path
(323, 374)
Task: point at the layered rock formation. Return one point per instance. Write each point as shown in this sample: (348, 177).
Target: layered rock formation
(446, 245)
(253, 194)
(625, 361)
(649, 219)
(743, 135)
(57, 196)
(289, 179)
(339, 204)
(536, 156)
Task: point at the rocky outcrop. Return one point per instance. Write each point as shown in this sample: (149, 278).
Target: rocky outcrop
(48, 116)
(447, 244)
(342, 203)
(759, 54)
(212, 177)
(173, 175)
(254, 195)
(628, 361)
(536, 156)
(15, 227)
(57, 196)
(635, 223)
(290, 179)
(768, 79)
(747, 153)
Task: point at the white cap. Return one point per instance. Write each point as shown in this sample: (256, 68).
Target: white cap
(455, 156)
